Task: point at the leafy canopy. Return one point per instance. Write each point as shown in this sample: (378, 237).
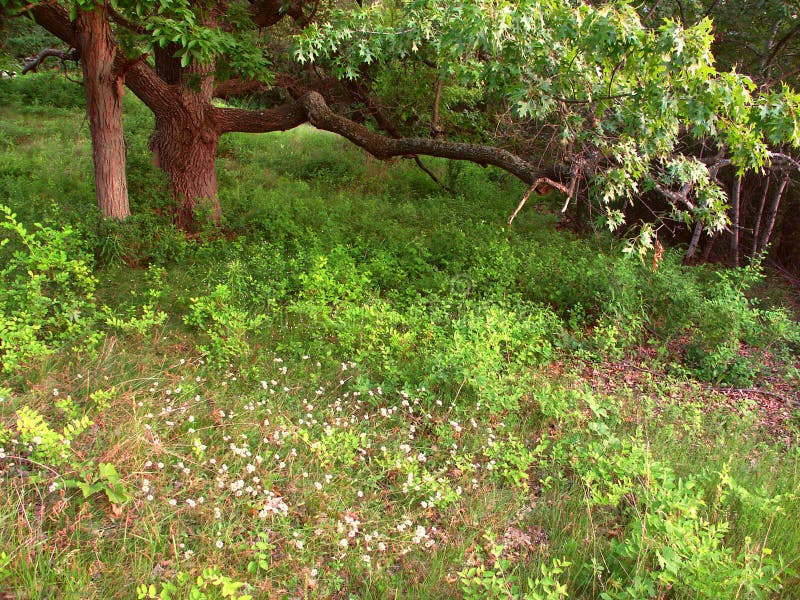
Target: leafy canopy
(626, 108)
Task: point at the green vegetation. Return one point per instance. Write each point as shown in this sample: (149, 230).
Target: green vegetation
(360, 386)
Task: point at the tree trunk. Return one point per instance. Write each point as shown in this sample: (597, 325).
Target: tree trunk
(735, 196)
(186, 149)
(772, 214)
(708, 248)
(103, 90)
(185, 140)
(759, 214)
(788, 251)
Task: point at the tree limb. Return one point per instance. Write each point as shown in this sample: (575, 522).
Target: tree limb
(383, 147)
(32, 63)
(785, 158)
(282, 118)
(780, 44)
(676, 197)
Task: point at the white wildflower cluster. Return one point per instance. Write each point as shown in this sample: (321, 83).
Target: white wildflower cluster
(275, 505)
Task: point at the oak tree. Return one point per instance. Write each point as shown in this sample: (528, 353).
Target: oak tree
(587, 98)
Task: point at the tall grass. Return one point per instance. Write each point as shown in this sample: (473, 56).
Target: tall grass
(363, 386)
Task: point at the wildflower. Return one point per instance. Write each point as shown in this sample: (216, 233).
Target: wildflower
(220, 544)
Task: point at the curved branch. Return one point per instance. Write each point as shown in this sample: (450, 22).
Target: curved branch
(383, 147)
(124, 22)
(32, 63)
(284, 117)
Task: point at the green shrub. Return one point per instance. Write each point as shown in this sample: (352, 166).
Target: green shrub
(675, 535)
(47, 299)
(142, 239)
(43, 89)
(225, 324)
(491, 348)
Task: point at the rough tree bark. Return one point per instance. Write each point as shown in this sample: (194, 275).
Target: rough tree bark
(691, 251)
(186, 148)
(103, 91)
(185, 140)
(91, 36)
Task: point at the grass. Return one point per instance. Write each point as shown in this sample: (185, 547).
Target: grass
(367, 388)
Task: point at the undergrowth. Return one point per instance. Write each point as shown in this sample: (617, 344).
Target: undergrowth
(362, 386)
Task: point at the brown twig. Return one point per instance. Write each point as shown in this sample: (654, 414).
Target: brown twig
(546, 180)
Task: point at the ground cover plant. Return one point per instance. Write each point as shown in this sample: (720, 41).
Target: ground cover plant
(363, 386)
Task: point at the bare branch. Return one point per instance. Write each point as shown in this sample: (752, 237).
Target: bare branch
(32, 63)
(676, 197)
(780, 44)
(542, 180)
(784, 158)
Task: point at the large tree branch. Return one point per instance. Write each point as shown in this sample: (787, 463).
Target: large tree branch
(383, 147)
(266, 13)
(55, 19)
(281, 118)
(237, 88)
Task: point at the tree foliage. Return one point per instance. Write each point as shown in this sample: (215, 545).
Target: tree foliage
(623, 109)
(610, 107)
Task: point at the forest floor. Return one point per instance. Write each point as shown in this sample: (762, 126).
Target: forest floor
(362, 386)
